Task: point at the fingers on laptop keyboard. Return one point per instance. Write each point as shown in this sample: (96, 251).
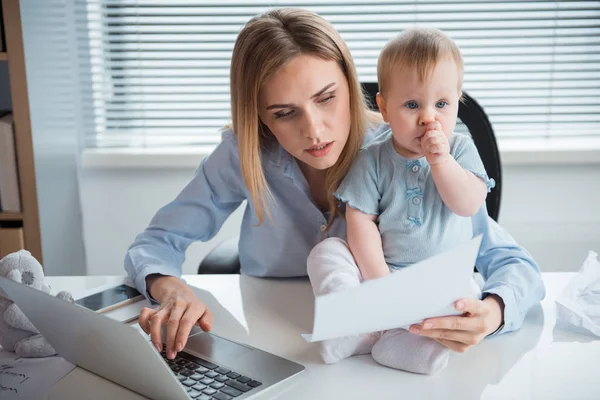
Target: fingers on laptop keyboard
(144, 319)
(206, 320)
(195, 314)
(157, 320)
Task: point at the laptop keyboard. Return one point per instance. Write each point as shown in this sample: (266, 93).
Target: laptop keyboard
(205, 380)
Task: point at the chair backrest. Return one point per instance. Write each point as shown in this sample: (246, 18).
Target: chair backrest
(472, 121)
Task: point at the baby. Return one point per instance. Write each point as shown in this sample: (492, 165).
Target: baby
(410, 194)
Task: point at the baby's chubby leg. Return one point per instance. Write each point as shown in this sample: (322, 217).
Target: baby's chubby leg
(403, 350)
(331, 268)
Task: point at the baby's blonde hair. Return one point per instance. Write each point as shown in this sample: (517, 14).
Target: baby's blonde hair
(417, 49)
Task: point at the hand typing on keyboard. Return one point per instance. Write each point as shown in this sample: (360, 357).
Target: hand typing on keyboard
(179, 309)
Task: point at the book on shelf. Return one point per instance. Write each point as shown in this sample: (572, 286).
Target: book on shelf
(11, 240)
(10, 200)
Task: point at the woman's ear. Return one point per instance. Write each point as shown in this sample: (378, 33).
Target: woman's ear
(382, 106)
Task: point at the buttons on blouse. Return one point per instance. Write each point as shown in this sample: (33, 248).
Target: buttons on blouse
(414, 165)
(414, 195)
(323, 227)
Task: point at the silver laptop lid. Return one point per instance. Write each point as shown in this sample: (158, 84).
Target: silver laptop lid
(96, 343)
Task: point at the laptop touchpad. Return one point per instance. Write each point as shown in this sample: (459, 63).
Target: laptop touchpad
(215, 347)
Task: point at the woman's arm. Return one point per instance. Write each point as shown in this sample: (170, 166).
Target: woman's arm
(197, 213)
(154, 260)
(508, 269)
(364, 241)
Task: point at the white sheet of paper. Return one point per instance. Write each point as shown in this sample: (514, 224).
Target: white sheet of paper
(424, 290)
(29, 378)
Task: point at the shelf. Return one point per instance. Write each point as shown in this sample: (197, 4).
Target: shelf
(14, 57)
(5, 216)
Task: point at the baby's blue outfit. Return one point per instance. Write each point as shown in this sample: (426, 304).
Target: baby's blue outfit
(280, 247)
(413, 220)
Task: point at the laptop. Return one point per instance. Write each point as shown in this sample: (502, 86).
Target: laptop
(209, 367)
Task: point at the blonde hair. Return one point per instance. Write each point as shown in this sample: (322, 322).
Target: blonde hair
(416, 48)
(265, 44)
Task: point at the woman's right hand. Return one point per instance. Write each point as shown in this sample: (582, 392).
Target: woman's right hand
(179, 309)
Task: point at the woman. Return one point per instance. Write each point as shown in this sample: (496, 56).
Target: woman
(299, 119)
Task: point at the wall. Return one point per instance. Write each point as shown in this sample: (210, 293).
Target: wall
(55, 122)
(119, 203)
(554, 211)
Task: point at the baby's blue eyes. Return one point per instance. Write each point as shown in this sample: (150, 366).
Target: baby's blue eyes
(412, 105)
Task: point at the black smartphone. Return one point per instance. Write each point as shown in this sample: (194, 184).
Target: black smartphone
(111, 298)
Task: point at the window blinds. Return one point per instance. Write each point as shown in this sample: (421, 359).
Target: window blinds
(156, 73)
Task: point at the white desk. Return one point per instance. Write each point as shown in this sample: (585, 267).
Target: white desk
(540, 361)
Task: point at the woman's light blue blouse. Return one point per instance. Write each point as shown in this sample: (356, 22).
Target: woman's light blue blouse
(280, 247)
(413, 220)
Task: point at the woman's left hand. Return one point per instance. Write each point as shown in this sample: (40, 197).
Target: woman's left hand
(461, 332)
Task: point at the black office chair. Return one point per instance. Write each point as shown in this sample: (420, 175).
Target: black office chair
(222, 259)
(472, 120)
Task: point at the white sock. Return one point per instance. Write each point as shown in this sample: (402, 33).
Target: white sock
(400, 349)
(331, 268)
(335, 350)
